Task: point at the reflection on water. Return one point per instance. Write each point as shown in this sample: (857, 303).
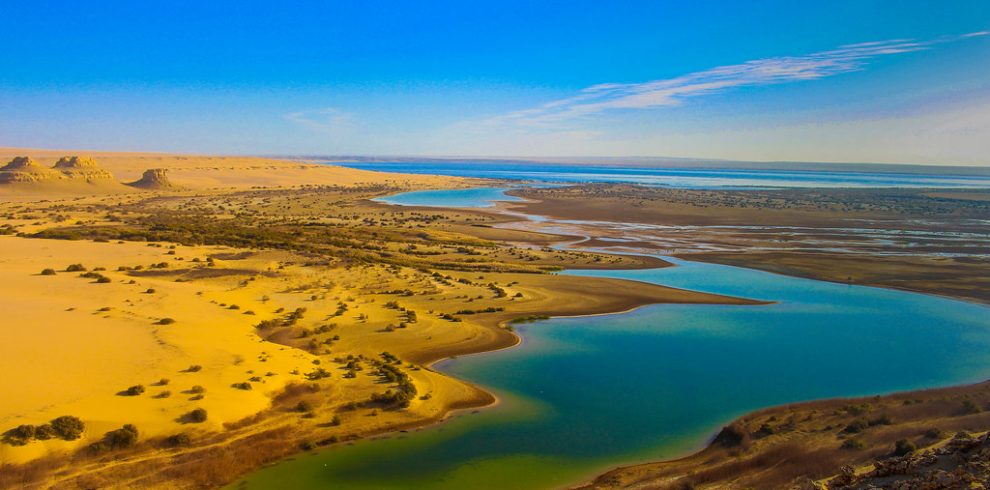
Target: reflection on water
(584, 394)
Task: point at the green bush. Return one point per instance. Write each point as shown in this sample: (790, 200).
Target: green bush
(67, 427)
(25, 431)
(75, 268)
(48, 272)
(121, 438)
(176, 440)
(198, 415)
(44, 432)
(134, 390)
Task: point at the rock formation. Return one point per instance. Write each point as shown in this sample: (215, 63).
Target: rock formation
(83, 168)
(67, 169)
(155, 178)
(26, 170)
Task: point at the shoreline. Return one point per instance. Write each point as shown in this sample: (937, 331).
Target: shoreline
(600, 477)
(711, 451)
(693, 217)
(597, 299)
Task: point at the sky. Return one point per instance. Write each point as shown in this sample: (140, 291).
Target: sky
(840, 81)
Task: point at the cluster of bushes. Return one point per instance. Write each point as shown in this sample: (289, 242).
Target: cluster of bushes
(529, 319)
(286, 321)
(403, 393)
(66, 428)
(499, 292)
(121, 438)
(490, 309)
(859, 425)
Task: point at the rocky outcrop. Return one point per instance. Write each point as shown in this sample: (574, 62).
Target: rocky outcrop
(963, 462)
(26, 170)
(83, 168)
(67, 169)
(153, 179)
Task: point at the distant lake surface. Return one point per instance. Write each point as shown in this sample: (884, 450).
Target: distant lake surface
(676, 177)
(480, 197)
(581, 395)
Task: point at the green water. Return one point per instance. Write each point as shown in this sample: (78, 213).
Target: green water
(583, 394)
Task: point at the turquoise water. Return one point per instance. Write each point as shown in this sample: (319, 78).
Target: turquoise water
(688, 178)
(583, 394)
(481, 197)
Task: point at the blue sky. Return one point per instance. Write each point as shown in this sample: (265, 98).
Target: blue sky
(881, 81)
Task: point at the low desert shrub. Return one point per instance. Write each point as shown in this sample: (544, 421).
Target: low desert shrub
(198, 415)
(67, 427)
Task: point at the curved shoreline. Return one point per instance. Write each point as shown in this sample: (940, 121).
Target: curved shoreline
(604, 478)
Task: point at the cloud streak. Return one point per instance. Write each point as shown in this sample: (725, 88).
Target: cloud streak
(606, 97)
(328, 120)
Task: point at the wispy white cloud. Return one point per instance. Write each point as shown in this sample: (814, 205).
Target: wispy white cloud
(652, 94)
(329, 120)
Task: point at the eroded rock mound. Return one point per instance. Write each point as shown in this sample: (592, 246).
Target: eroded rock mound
(82, 168)
(24, 169)
(67, 169)
(155, 178)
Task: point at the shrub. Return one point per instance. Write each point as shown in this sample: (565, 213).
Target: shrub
(197, 415)
(102, 280)
(933, 433)
(166, 321)
(856, 426)
(969, 406)
(195, 368)
(149, 291)
(852, 444)
(134, 390)
(44, 432)
(903, 447)
(197, 389)
(121, 438)
(176, 440)
(243, 385)
(304, 406)
(25, 431)
(67, 427)
(75, 268)
(48, 272)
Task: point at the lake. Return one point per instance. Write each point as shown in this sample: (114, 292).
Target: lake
(581, 395)
(688, 178)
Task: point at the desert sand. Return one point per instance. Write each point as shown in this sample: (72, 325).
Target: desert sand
(251, 309)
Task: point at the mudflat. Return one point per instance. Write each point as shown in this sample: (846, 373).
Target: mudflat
(928, 241)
